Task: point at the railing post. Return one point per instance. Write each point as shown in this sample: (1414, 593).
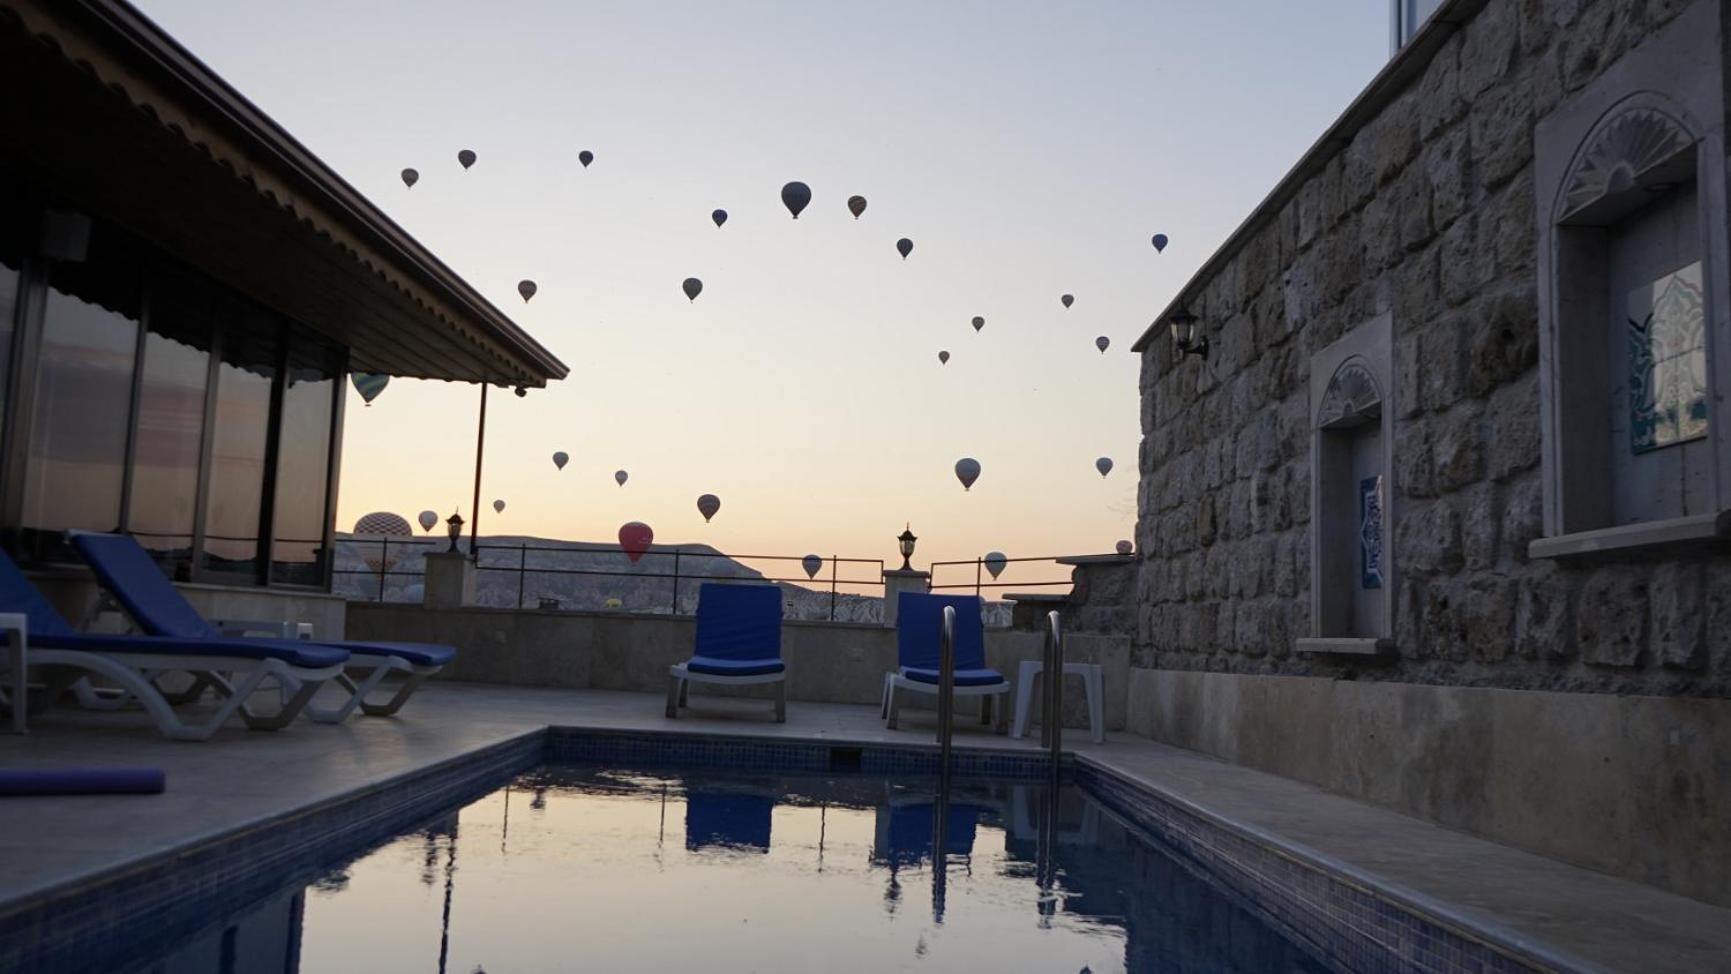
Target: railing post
(522, 560)
(978, 563)
(946, 690)
(1052, 720)
(675, 581)
(832, 576)
(384, 562)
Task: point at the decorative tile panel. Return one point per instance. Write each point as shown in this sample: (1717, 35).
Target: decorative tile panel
(1370, 526)
(1667, 361)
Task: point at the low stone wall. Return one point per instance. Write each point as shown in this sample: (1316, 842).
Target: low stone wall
(75, 593)
(1636, 786)
(826, 662)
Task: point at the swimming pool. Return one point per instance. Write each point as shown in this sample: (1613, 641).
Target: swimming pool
(590, 867)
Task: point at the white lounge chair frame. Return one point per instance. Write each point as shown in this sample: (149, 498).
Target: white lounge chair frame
(679, 680)
(890, 707)
(135, 675)
(378, 666)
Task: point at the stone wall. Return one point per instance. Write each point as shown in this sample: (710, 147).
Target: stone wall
(1426, 213)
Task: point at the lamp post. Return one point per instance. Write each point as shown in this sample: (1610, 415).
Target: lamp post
(1184, 337)
(906, 542)
(454, 527)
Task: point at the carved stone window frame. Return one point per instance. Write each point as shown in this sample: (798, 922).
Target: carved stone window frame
(1351, 383)
(1655, 120)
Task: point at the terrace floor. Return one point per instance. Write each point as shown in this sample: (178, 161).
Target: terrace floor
(1587, 919)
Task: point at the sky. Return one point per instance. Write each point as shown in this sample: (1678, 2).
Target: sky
(1029, 149)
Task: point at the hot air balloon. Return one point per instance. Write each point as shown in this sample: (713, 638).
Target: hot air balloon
(428, 519)
(369, 384)
(619, 477)
(1101, 343)
(904, 246)
(560, 459)
(995, 562)
(1159, 243)
(380, 526)
(410, 178)
(585, 157)
(1125, 547)
(812, 563)
(1068, 300)
(719, 216)
(707, 505)
(979, 323)
(943, 358)
(1104, 465)
(635, 538)
(527, 289)
(466, 157)
(795, 196)
(498, 507)
(693, 287)
(967, 471)
(856, 205)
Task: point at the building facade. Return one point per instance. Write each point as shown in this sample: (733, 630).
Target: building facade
(184, 290)
(1442, 519)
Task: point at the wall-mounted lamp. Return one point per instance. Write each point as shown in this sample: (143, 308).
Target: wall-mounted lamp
(1184, 336)
(906, 542)
(454, 527)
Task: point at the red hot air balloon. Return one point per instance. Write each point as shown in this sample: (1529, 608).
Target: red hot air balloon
(635, 538)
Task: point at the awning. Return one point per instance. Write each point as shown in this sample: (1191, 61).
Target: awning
(113, 117)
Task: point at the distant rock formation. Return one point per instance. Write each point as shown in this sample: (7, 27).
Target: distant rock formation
(587, 576)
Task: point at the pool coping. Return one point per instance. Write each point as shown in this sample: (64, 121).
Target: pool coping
(1357, 940)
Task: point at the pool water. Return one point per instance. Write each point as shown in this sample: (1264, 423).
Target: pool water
(572, 868)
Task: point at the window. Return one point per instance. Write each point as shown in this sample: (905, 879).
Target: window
(1352, 572)
(1629, 337)
(168, 442)
(1406, 17)
(310, 385)
(239, 446)
(83, 400)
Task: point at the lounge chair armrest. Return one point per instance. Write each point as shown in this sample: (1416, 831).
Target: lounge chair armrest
(270, 628)
(15, 622)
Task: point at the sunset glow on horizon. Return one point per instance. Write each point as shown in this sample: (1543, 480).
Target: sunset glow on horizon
(1028, 150)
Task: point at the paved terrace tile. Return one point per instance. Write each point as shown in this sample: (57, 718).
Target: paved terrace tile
(240, 778)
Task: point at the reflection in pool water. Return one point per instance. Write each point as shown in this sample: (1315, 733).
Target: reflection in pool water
(572, 868)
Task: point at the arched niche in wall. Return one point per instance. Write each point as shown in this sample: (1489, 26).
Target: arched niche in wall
(1633, 339)
(1352, 571)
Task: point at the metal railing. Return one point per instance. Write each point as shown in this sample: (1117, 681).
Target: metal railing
(516, 559)
(981, 582)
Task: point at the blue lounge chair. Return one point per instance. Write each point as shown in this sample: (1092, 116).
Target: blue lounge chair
(234, 667)
(919, 624)
(738, 643)
(127, 571)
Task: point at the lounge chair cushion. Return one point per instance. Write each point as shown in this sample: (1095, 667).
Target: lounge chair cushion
(127, 571)
(738, 623)
(964, 678)
(734, 667)
(420, 654)
(292, 652)
(919, 623)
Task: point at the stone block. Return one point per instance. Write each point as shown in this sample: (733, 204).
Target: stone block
(1206, 525)
(1488, 49)
(1285, 567)
(1679, 636)
(1428, 539)
(1417, 294)
(1542, 626)
(1414, 467)
(1481, 527)
(1486, 615)
(1394, 138)
(1513, 418)
(1459, 449)
(1502, 133)
(1458, 278)
(1449, 173)
(1611, 617)
(1408, 373)
(1444, 364)
(1505, 339)
(1378, 235)
(1523, 517)
(1439, 99)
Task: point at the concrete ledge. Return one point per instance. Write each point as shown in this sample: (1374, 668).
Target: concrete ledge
(1695, 529)
(1345, 645)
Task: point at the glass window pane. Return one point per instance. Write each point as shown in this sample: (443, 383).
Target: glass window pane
(303, 460)
(83, 398)
(171, 424)
(240, 435)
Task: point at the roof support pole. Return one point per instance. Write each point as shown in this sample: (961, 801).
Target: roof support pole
(475, 512)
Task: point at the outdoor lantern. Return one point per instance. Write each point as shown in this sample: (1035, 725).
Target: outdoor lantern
(454, 527)
(1184, 337)
(906, 542)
